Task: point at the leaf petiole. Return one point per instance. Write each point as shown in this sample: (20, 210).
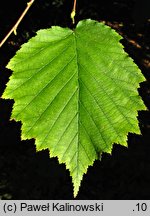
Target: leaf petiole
(73, 13)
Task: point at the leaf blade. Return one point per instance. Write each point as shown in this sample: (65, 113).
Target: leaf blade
(71, 96)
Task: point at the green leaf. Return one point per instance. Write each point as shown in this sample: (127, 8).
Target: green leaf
(75, 92)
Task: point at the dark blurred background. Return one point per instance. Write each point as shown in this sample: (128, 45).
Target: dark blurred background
(25, 174)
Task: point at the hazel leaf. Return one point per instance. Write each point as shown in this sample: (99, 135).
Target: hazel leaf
(75, 92)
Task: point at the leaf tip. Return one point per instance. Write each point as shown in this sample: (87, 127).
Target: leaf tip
(76, 187)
